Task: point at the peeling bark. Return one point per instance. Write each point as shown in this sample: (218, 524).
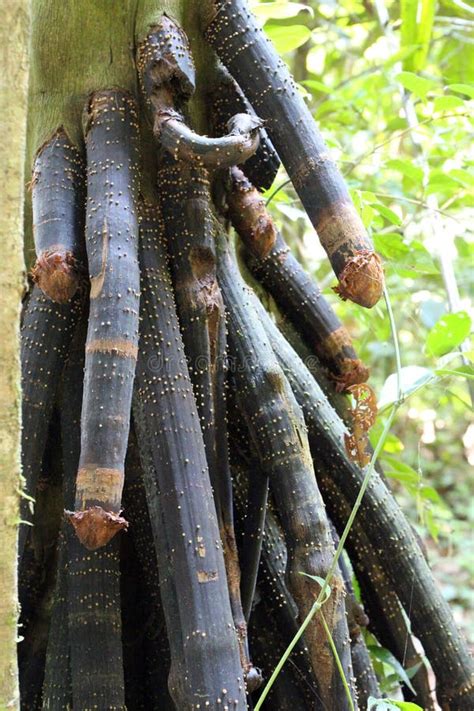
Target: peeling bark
(278, 434)
(58, 197)
(253, 62)
(112, 339)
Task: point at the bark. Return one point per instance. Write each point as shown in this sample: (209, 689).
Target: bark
(278, 433)
(253, 62)
(272, 593)
(14, 42)
(156, 664)
(296, 293)
(204, 651)
(366, 680)
(166, 71)
(46, 334)
(112, 339)
(387, 530)
(93, 577)
(226, 99)
(386, 617)
(57, 687)
(58, 197)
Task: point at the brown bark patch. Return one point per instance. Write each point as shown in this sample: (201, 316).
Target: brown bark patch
(95, 527)
(118, 347)
(97, 282)
(207, 576)
(362, 279)
(249, 216)
(363, 417)
(99, 484)
(56, 274)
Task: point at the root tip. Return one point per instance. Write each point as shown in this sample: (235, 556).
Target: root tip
(56, 274)
(95, 527)
(362, 279)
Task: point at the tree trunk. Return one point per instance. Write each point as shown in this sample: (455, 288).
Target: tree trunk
(13, 94)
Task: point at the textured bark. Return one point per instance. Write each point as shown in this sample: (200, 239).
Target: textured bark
(272, 592)
(93, 587)
(14, 33)
(166, 70)
(227, 99)
(46, 334)
(155, 646)
(386, 618)
(387, 530)
(366, 680)
(57, 687)
(58, 197)
(204, 652)
(293, 289)
(278, 433)
(166, 73)
(112, 339)
(253, 62)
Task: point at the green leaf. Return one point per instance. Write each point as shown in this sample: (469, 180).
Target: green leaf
(387, 658)
(407, 168)
(448, 333)
(390, 246)
(391, 705)
(416, 84)
(286, 39)
(412, 378)
(417, 26)
(401, 472)
(445, 103)
(280, 10)
(464, 371)
(463, 176)
(389, 214)
(323, 585)
(316, 86)
(466, 89)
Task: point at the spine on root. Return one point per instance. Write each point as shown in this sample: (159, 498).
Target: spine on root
(58, 200)
(166, 74)
(191, 562)
(272, 263)
(386, 528)
(112, 339)
(227, 99)
(278, 434)
(253, 62)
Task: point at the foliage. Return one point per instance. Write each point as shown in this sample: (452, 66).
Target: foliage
(411, 179)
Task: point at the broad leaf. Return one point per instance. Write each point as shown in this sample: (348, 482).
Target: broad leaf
(286, 39)
(416, 84)
(448, 333)
(280, 10)
(413, 377)
(387, 657)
